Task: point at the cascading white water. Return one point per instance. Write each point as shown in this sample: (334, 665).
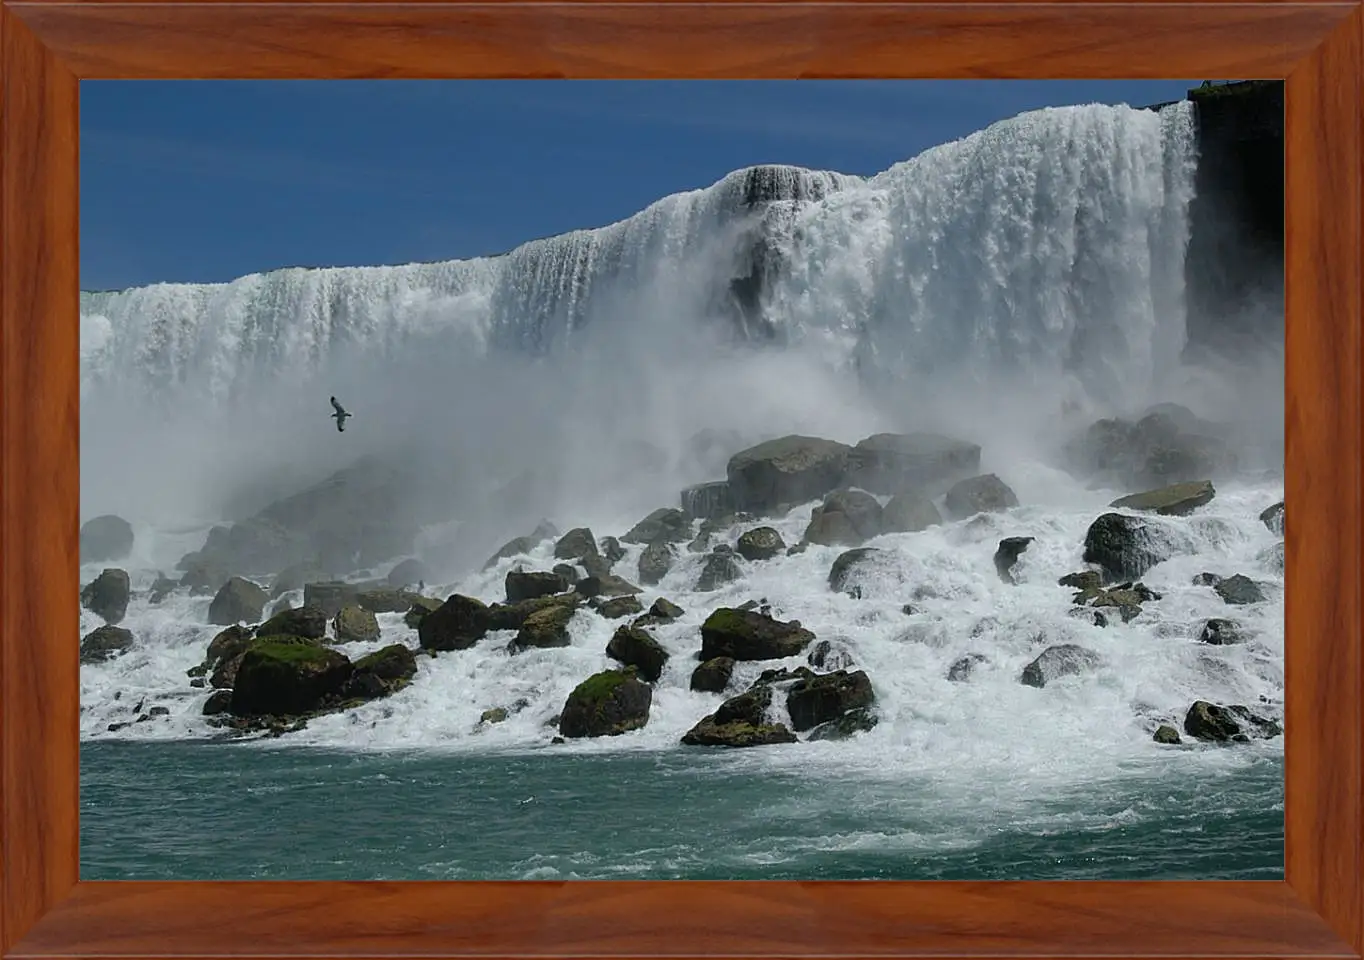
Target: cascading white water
(1042, 255)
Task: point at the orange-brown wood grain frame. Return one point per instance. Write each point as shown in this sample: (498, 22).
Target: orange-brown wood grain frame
(47, 47)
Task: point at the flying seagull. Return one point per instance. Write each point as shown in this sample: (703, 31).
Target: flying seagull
(340, 416)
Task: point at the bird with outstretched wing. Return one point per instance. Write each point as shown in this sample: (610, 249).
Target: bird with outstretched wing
(340, 415)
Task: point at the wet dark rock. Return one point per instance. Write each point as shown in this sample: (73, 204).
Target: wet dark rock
(105, 538)
(1221, 724)
(105, 643)
(617, 607)
(789, 470)
(909, 513)
(107, 595)
(605, 585)
(611, 550)
(568, 572)
(983, 494)
(826, 697)
(718, 570)
(1122, 546)
(635, 647)
(355, 624)
(1084, 580)
(1010, 549)
(845, 517)
(385, 600)
(1239, 590)
(1272, 517)
(760, 543)
(1206, 579)
(1221, 632)
(457, 624)
(891, 463)
(707, 500)
(745, 635)
(161, 588)
(606, 704)
(218, 702)
(1176, 500)
(740, 722)
(713, 675)
(238, 600)
(654, 562)
(1166, 734)
(665, 609)
(421, 606)
(546, 628)
(962, 668)
(1088, 615)
(309, 622)
(861, 720)
(576, 544)
(527, 585)
(826, 656)
(282, 678)
(664, 525)
(1066, 659)
(407, 573)
(330, 595)
(382, 673)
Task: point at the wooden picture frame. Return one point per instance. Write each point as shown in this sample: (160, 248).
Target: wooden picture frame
(46, 47)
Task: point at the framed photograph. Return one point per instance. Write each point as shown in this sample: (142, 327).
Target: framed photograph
(816, 484)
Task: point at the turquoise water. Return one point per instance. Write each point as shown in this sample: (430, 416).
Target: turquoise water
(236, 811)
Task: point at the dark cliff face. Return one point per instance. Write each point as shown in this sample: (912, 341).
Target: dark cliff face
(1234, 268)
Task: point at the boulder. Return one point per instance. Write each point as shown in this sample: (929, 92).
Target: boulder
(606, 704)
(664, 525)
(962, 668)
(861, 720)
(1084, 580)
(611, 550)
(162, 587)
(527, 585)
(1063, 660)
(568, 572)
(107, 595)
(218, 702)
(381, 673)
(355, 624)
(719, 569)
(1239, 590)
(617, 607)
(740, 722)
(203, 576)
(845, 517)
(665, 609)
(576, 544)
(1010, 549)
(307, 622)
(105, 538)
(512, 616)
(1220, 724)
(1166, 734)
(891, 462)
(457, 624)
(704, 501)
(1164, 447)
(278, 677)
(655, 562)
(983, 494)
(407, 573)
(1220, 632)
(225, 653)
(421, 606)
(760, 543)
(1272, 518)
(385, 600)
(789, 470)
(843, 573)
(712, 676)
(826, 697)
(635, 647)
(1122, 546)
(1176, 500)
(825, 656)
(909, 513)
(330, 595)
(105, 643)
(239, 600)
(605, 585)
(746, 635)
(546, 628)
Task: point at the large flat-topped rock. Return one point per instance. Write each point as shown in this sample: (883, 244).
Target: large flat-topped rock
(788, 470)
(895, 462)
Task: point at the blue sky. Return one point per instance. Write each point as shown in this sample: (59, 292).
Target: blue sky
(211, 180)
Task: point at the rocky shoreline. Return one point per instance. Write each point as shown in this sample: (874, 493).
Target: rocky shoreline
(274, 667)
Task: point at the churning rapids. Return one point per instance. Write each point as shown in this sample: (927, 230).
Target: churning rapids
(1009, 290)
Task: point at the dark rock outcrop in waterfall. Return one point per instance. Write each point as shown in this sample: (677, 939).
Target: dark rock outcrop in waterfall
(107, 595)
(105, 538)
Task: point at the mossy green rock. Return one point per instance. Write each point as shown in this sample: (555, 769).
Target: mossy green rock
(634, 647)
(546, 628)
(512, 616)
(382, 672)
(713, 675)
(355, 624)
(606, 704)
(617, 607)
(1176, 500)
(740, 722)
(287, 676)
(746, 635)
(457, 624)
(308, 622)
